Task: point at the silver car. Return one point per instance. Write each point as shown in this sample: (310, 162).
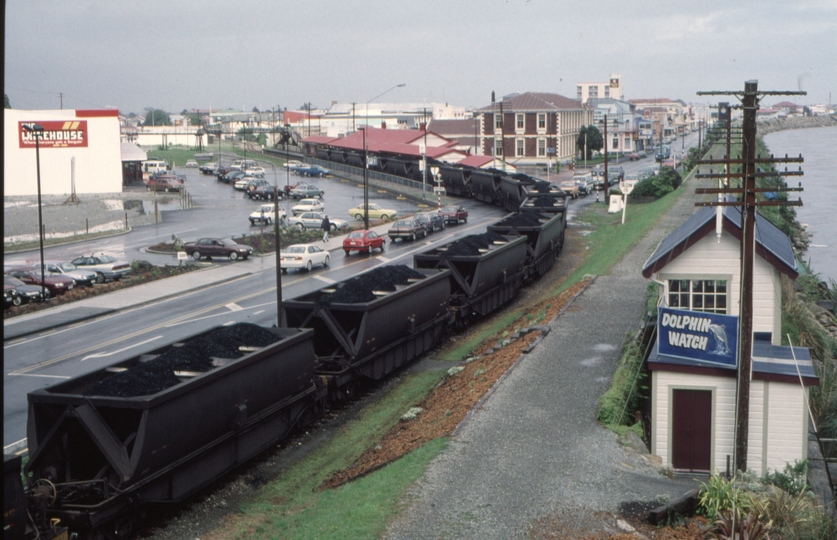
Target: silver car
(106, 267)
(80, 276)
(314, 220)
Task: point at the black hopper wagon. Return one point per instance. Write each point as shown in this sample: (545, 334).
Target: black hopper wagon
(162, 425)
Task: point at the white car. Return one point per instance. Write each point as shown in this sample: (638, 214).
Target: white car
(258, 172)
(266, 211)
(191, 163)
(292, 163)
(308, 205)
(303, 256)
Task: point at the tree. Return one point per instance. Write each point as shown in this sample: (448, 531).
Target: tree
(156, 117)
(6, 104)
(594, 138)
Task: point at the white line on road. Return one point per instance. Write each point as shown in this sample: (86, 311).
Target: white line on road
(102, 355)
(326, 280)
(37, 375)
(233, 307)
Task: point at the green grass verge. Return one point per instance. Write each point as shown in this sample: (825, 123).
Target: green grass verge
(291, 507)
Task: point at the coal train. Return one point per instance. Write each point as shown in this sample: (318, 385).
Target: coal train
(160, 426)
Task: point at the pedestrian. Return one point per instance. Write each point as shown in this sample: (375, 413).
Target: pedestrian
(326, 226)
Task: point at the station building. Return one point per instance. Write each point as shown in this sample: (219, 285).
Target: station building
(694, 362)
(79, 152)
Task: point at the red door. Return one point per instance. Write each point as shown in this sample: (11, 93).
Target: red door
(691, 431)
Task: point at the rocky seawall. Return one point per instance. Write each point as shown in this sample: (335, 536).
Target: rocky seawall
(795, 122)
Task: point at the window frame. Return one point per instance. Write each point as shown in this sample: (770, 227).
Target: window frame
(519, 148)
(520, 122)
(674, 296)
(541, 147)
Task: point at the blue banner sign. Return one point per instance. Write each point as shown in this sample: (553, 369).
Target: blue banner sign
(695, 335)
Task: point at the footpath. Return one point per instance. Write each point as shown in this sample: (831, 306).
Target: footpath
(533, 455)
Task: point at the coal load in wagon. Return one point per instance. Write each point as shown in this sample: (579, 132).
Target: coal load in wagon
(147, 378)
(471, 245)
(542, 187)
(360, 289)
(522, 219)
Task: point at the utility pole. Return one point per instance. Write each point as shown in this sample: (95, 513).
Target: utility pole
(748, 204)
(61, 99)
(503, 135)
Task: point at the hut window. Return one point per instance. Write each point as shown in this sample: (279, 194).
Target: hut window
(707, 295)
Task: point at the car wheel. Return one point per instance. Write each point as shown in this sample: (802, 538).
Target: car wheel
(347, 252)
(382, 246)
(309, 266)
(384, 217)
(333, 228)
(321, 194)
(100, 277)
(326, 261)
(196, 255)
(233, 255)
(284, 270)
(300, 226)
(413, 237)
(465, 220)
(359, 217)
(17, 301)
(424, 235)
(269, 221)
(369, 250)
(46, 295)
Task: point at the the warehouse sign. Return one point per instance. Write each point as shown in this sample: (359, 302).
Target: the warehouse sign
(695, 335)
(56, 134)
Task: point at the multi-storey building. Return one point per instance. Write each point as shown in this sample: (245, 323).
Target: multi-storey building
(532, 128)
(599, 90)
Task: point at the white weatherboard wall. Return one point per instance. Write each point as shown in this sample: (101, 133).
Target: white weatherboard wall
(774, 439)
(710, 259)
(98, 166)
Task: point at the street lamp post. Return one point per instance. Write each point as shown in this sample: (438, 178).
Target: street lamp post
(38, 130)
(366, 157)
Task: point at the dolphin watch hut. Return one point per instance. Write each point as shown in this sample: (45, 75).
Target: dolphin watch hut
(693, 363)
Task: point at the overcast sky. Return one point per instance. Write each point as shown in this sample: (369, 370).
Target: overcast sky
(184, 54)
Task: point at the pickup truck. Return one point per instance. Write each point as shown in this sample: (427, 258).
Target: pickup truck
(407, 229)
(454, 214)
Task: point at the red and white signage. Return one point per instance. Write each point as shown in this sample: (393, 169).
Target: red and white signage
(56, 134)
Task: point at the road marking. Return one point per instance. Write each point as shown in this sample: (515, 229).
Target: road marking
(39, 375)
(233, 307)
(325, 279)
(103, 355)
(16, 447)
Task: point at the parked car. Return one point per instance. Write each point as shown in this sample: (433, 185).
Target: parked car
(313, 220)
(26, 293)
(431, 220)
(217, 247)
(308, 205)
(264, 192)
(221, 172)
(265, 213)
(81, 276)
(642, 154)
(633, 156)
(570, 187)
(291, 164)
(301, 256)
(191, 163)
(209, 168)
(454, 214)
(105, 266)
(258, 172)
(254, 183)
(375, 212)
(306, 191)
(164, 183)
(56, 283)
(232, 176)
(407, 229)
(243, 164)
(312, 170)
(11, 297)
(364, 241)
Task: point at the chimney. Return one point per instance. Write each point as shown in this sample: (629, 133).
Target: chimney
(423, 126)
(383, 125)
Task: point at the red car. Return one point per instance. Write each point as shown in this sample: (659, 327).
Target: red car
(57, 284)
(363, 240)
(164, 183)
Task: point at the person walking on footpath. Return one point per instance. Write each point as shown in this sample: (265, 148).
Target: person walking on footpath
(326, 226)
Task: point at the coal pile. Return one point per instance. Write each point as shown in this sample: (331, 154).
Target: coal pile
(147, 378)
(542, 187)
(471, 245)
(522, 219)
(358, 290)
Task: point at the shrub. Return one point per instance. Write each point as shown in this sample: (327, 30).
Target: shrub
(719, 497)
(658, 185)
(794, 478)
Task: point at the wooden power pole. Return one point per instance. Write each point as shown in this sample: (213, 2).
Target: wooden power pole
(748, 202)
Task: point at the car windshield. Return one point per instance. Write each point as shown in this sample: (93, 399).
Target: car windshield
(295, 249)
(449, 209)
(106, 259)
(66, 267)
(356, 234)
(403, 224)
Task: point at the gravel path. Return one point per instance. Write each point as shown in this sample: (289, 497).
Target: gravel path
(534, 451)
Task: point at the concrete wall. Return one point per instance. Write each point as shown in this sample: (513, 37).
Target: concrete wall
(98, 166)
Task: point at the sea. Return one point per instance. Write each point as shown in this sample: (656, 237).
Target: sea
(818, 147)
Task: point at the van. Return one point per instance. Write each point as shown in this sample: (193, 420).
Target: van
(154, 166)
(585, 182)
(242, 164)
